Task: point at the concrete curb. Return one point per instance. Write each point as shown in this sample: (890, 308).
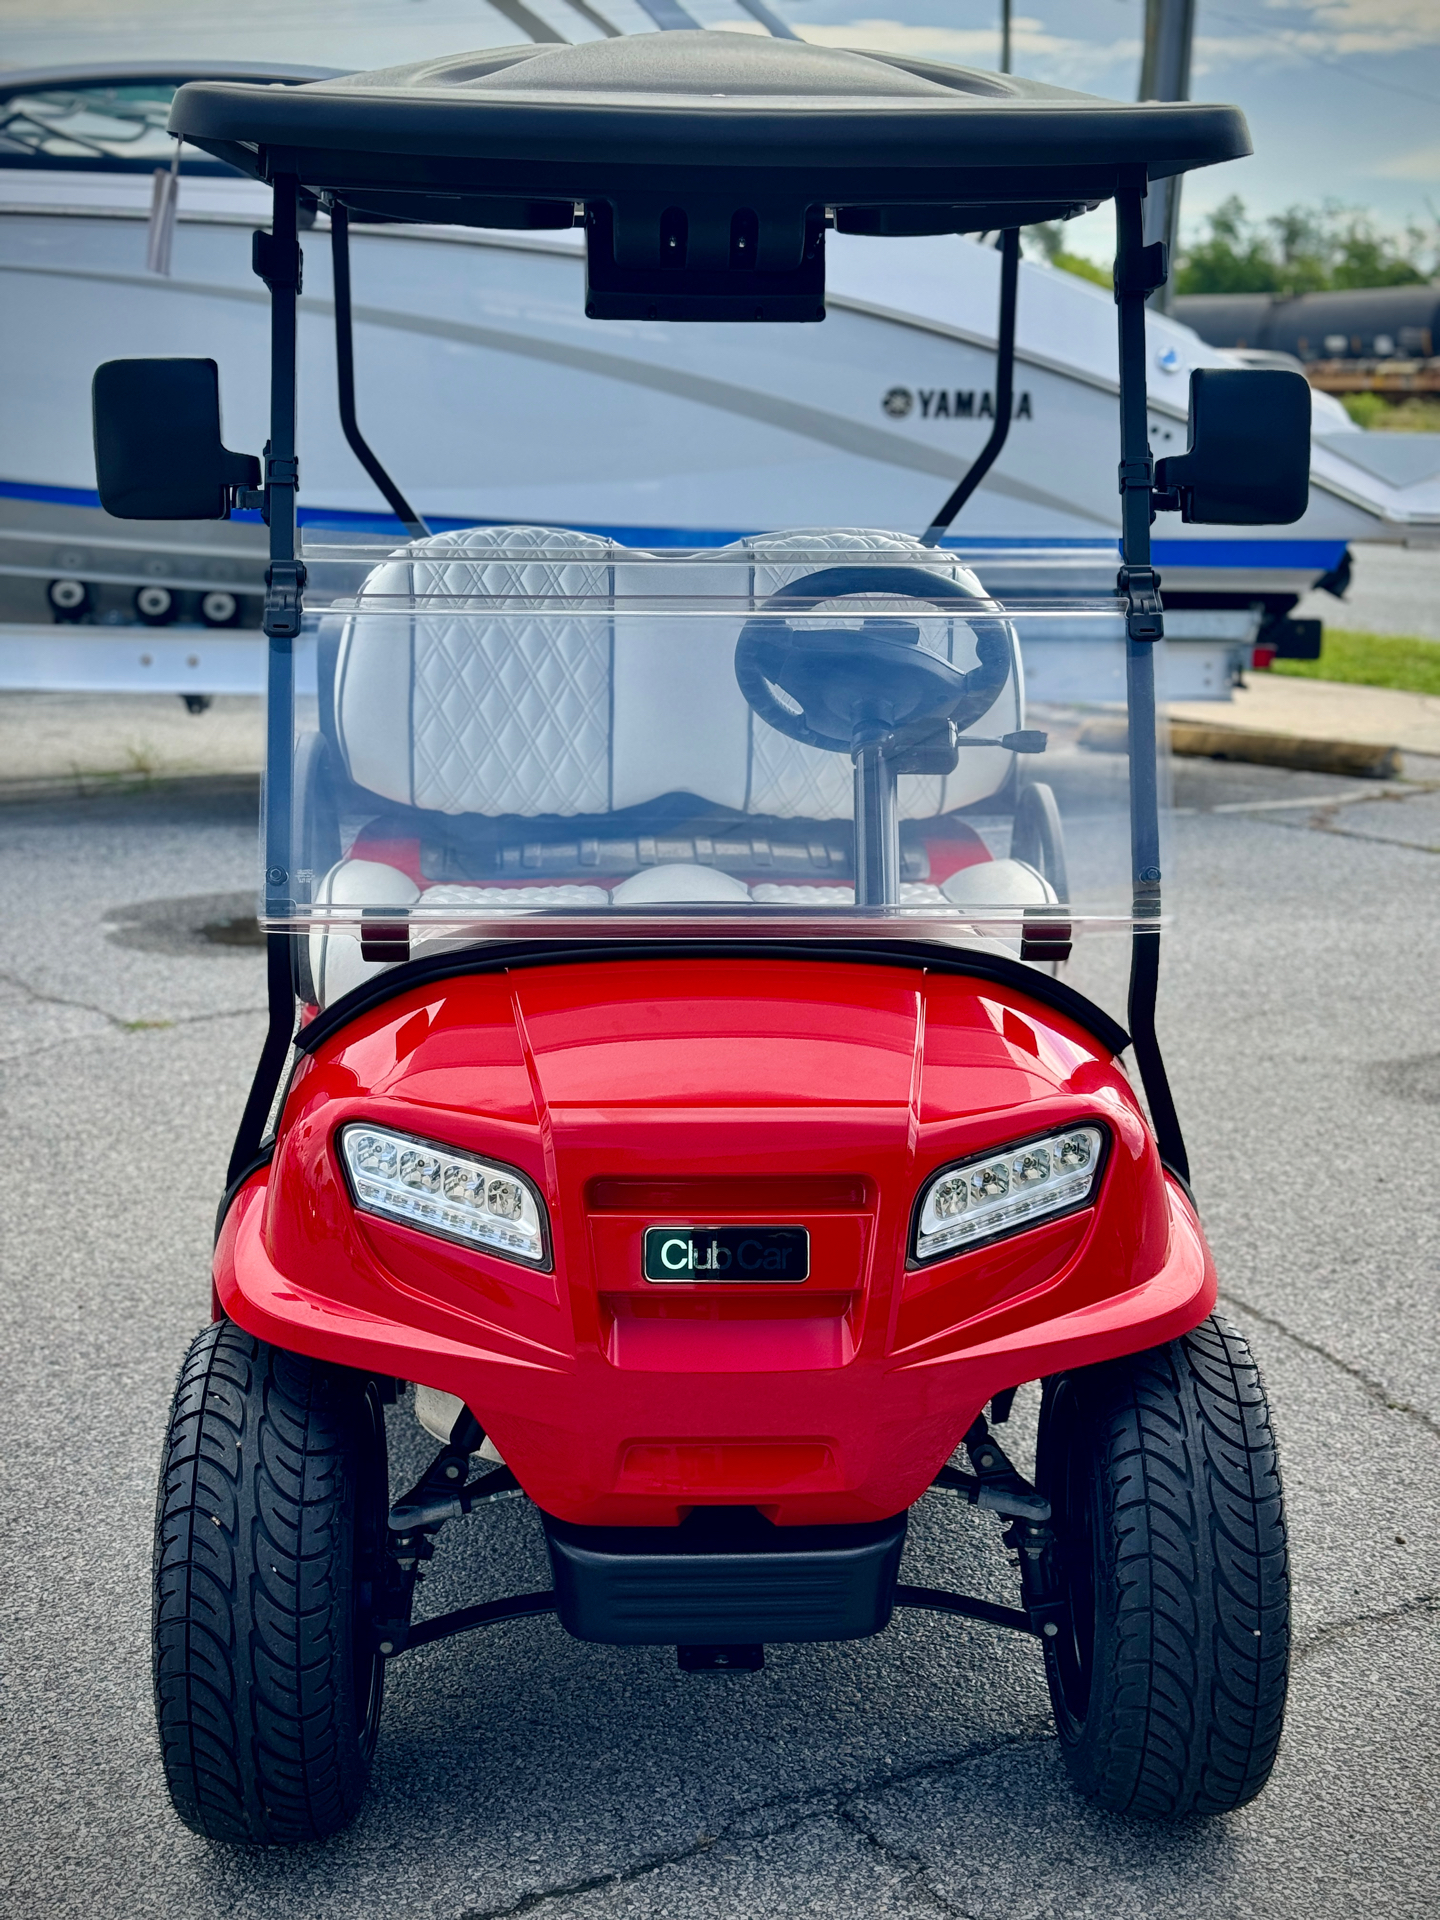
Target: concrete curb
(128, 786)
(1194, 740)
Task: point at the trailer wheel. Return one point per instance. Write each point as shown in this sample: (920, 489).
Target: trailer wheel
(155, 605)
(1168, 1680)
(69, 599)
(219, 607)
(270, 1527)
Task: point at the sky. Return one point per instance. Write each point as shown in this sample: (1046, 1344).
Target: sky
(1342, 96)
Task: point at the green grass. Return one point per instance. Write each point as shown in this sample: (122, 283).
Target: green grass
(1405, 413)
(1372, 660)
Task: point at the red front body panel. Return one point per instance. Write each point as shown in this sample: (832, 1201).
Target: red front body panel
(704, 1091)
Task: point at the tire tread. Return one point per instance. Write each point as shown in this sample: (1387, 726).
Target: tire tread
(252, 1604)
(1192, 1610)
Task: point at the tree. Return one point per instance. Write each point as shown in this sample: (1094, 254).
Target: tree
(1049, 238)
(1303, 250)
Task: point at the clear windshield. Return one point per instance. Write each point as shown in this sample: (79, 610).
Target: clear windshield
(507, 732)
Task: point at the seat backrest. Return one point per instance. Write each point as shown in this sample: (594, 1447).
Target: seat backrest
(507, 713)
(456, 709)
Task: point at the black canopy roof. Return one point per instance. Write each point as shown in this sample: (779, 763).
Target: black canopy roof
(704, 114)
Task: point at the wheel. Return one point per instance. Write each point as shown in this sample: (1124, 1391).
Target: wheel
(69, 599)
(269, 1532)
(1169, 1683)
(155, 605)
(219, 607)
(1038, 837)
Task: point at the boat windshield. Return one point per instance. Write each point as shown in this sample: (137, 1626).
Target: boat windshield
(503, 733)
(99, 122)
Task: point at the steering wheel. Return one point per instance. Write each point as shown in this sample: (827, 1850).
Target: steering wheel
(836, 687)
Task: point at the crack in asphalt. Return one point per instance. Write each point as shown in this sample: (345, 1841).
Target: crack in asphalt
(914, 1868)
(1372, 839)
(808, 1806)
(1324, 816)
(1376, 1389)
(40, 997)
(1419, 1606)
(844, 1807)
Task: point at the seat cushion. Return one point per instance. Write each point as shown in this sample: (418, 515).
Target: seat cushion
(335, 961)
(999, 883)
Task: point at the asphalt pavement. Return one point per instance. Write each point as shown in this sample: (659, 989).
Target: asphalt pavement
(520, 1772)
(1393, 590)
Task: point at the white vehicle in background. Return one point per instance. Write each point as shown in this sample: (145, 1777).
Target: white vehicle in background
(496, 392)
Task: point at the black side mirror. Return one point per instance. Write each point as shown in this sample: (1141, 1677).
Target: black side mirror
(158, 452)
(1248, 463)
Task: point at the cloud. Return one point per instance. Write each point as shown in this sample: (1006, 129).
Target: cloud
(1421, 163)
(1317, 29)
(973, 46)
(1289, 30)
(1366, 26)
(1033, 44)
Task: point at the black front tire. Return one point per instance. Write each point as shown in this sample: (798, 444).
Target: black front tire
(1168, 1683)
(270, 1526)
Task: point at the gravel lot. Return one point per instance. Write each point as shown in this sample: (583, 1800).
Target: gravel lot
(914, 1775)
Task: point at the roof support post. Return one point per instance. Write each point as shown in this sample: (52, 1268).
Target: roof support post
(345, 375)
(1138, 270)
(1004, 391)
(278, 262)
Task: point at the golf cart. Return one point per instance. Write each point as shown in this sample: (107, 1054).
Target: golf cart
(671, 1091)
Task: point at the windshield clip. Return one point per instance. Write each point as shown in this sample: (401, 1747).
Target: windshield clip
(277, 264)
(1139, 588)
(284, 609)
(1142, 269)
(384, 937)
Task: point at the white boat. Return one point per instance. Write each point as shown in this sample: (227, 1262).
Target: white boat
(655, 434)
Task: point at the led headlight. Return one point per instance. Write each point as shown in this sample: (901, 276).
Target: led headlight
(1004, 1192)
(441, 1191)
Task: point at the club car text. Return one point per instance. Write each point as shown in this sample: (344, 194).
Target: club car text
(727, 1253)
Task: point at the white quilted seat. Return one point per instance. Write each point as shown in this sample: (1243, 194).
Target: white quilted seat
(506, 715)
(989, 883)
(441, 706)
(335, 962)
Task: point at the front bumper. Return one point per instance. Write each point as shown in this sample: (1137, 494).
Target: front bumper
(726, 1577)
(601, 1445)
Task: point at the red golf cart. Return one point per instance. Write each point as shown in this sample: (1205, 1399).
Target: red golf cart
(672, 1092)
